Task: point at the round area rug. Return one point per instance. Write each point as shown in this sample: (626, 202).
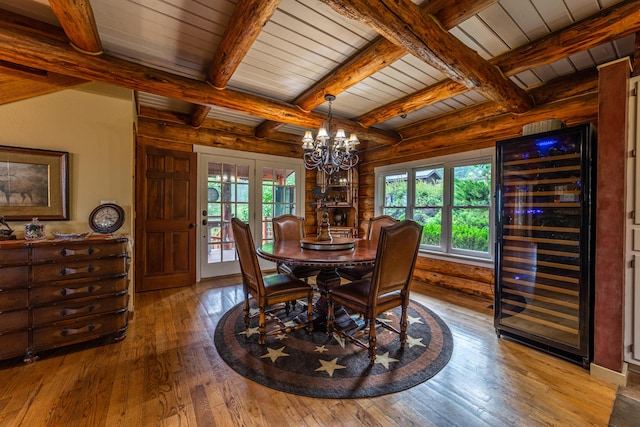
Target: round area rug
(319, 365)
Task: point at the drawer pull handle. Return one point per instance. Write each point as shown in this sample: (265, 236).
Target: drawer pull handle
(89, 328)
(66, 270)
(68, 252)
(71, 311)
(86, 289)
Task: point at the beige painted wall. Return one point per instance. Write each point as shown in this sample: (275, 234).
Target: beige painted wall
(94, 123)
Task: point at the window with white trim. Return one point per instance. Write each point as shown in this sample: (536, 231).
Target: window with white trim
(451, 197)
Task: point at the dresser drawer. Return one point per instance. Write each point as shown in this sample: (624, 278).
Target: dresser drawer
(14, 344)
(15, 255)
(80, 289)
(14, 299)
(14, 320)
(14, 277)
(81, 329)
(77, 250)
(78, 269)
(79, 307)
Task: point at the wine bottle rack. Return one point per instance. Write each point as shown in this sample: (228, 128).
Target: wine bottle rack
(544, 247)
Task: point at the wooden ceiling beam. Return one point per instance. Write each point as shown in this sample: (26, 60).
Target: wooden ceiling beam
(437, 92)
(26, 25)
(402, 22)
(377, 55)
(40, 52)
(605, 26)
(575, 110)
(247, 20)
(602, 27)
(19, 85)
(578, 84)
(79, 24)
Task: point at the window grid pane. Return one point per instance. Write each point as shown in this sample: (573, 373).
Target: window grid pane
(278, 197)
(452, 201)
(395, 196)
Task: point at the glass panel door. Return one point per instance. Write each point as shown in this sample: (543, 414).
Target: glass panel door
(278, 196)
(228, 195)
(254, 190)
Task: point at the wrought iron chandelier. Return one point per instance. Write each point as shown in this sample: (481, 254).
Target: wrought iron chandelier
(327, 152)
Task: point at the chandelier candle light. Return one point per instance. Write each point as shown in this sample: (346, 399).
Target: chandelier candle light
(330, 153)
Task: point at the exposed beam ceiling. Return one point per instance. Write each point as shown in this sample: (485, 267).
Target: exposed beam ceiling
(440, 33)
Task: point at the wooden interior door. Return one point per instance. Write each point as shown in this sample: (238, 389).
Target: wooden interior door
(166, 190)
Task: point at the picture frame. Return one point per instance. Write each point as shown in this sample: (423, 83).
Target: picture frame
(34, 184)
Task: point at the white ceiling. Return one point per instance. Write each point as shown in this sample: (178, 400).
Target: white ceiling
(306, 39)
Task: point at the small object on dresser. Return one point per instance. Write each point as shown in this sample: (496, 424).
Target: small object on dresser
(70, 236)
(6, 234)
(106, 218)
(34, 230)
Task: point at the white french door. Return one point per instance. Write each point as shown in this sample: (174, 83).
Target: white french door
(253, 189)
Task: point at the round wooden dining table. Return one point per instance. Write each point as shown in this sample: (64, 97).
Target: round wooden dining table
(328, 260)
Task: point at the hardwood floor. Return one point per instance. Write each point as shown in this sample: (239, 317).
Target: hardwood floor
(167, 372)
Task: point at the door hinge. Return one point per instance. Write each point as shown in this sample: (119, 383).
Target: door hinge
(634, 92)
(633, 153)
(632, 263)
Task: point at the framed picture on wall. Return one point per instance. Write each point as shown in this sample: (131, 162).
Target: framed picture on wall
(34, 183)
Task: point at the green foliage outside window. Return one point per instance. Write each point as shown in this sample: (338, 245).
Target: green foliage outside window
(470, 211)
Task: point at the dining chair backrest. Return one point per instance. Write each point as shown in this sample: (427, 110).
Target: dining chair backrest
(376, 224)
(249, 267)
(395, 259)
(288, 227)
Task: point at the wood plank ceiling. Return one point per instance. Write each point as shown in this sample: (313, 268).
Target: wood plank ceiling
(393, 64)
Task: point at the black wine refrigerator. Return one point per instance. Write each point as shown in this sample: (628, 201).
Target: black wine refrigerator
(545, 201)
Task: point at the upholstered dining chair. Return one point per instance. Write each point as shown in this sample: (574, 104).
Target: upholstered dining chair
(269, 290)
(388, 287)
(291, 227)
(358, 272)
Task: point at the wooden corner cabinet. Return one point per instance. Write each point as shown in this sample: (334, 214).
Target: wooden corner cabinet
(340, 202)
(55, 293)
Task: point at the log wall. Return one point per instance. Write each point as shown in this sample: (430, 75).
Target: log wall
(458, 136)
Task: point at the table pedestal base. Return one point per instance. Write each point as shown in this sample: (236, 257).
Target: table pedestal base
(326, 280)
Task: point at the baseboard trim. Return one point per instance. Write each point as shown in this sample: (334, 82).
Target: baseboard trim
(613, 377)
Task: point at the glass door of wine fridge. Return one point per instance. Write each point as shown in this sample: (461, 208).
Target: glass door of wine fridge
(544, 241)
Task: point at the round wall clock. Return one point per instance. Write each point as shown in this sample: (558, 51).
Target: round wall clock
(106, 218)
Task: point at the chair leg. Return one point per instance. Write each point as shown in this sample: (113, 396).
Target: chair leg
(403, 326)
(245, 311)
(288, 306)
(262, 327)
(373, 346)
(310, 312)
(330, 316)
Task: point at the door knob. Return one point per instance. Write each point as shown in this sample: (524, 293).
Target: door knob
(192, 225)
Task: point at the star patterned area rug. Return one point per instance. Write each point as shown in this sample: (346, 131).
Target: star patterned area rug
(323, 366)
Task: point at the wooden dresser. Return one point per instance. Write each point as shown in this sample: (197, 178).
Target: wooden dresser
(59, 292)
